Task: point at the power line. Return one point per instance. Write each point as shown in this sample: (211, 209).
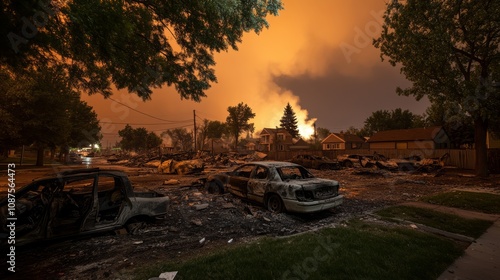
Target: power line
(143, 123)
(188, 125)
(142, 112)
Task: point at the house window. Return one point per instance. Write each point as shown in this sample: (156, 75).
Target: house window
(281, 147)
(281, 136)
(264, 138)
(336, 146)
(328, 147)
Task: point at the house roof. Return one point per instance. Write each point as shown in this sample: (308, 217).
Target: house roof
(273, 130)
(426, 133)
(342, 138)
(301, 142)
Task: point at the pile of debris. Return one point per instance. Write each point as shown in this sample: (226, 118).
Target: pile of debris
(412, 164)
(184, 163)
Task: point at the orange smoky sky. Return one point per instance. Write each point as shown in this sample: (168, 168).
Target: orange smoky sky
(316, 55)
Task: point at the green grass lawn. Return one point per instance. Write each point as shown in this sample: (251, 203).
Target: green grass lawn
(447, 222)
(482, 202)
(358, 251)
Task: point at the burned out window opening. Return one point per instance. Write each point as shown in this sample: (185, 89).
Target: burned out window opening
(111, 195)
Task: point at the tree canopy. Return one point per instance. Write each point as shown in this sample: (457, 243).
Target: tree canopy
(133, 45)
(449, 51)
(459, 127)
(41, 109)
(237, 121)
(289, 121)
(387, 120)
(182, 139)
(322, 133)
(215, 129)
(138, 139)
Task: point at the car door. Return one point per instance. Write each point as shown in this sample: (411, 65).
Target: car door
(238, 180)
(32, 211)
(257, 184)
(73, 207)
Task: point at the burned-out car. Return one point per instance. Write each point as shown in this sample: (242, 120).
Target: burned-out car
(79, 202)
(280, 186)
(316, 162)
(352, 160)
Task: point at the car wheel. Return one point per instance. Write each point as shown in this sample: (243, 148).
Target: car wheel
(348, 164)
(213, 188)
(134, 226)
(324, 167)
(274, 203)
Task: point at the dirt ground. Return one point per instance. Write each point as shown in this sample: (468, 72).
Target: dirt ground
(227, 220)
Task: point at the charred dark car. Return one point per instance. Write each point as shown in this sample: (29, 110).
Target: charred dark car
(316, 162)
(280, 186)
(78, 202)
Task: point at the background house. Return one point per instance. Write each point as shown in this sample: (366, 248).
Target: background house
(416, 138)
(342, 141)
(275, 139)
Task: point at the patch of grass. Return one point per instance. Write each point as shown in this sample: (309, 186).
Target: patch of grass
(482, 202)
(358, 251)
(447, 222)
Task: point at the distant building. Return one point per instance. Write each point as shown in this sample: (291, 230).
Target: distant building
(416, 138)
(275, 139)
(342, 141)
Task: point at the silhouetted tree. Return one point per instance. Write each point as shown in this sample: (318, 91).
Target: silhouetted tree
(42, 110)
(449, 51)
(138, 139)
(135, 45)
(387, 120)
(322, 133)
(237, 121)
(181, 138)
(289, 121)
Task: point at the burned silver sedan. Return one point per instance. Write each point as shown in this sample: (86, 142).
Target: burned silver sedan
(280, 186)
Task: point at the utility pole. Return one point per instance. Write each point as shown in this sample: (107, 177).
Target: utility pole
(194, 136)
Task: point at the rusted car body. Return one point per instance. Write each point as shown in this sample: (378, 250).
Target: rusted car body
(280, 186)
(316, 162)
(79, 202)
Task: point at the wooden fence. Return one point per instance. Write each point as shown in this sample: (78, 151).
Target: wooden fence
(461, 158)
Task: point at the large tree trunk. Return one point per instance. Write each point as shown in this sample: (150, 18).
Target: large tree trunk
(39, 155)
(480, 129)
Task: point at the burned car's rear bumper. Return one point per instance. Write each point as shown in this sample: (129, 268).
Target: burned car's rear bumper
(312, 206)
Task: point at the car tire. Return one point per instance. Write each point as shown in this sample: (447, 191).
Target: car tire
(134, 225)
(324, 167)
(274, 203)
(348, 164)
(213, 187)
